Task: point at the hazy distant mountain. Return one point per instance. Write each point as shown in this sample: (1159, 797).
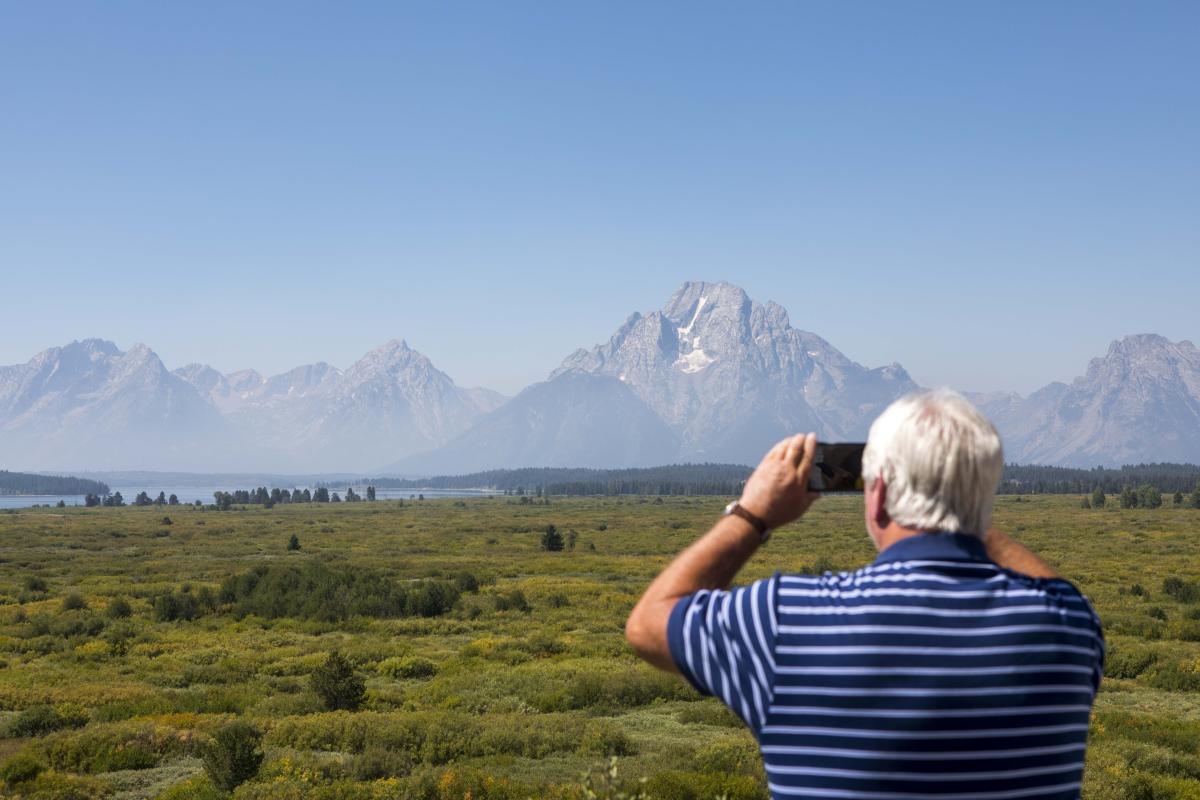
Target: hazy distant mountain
(392, 400)
(574, 419)
(91, 405)
(719, 377)
(1139, 403)
(712, 376)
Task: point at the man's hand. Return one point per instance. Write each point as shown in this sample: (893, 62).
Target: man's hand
(777, 492)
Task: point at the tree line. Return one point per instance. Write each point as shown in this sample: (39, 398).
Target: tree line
(674, 479)
(268, 498)
(1035, 479)
(28, 483)
(1144, 496)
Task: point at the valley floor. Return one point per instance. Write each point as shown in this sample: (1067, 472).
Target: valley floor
(520, 688)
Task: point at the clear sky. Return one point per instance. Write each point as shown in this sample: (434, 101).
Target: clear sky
(987, 193)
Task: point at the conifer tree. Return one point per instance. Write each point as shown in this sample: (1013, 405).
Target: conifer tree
(337, 684)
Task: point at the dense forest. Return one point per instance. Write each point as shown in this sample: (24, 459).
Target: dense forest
(1033, 479)
(727, 479)
(27, 483)
(675, 479)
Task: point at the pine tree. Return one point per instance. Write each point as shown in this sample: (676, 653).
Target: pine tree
(337, 684)
(1128, 497)
(552, 540)
(293, 543)
(1148, 496)
(1098, 497)
(234, 756)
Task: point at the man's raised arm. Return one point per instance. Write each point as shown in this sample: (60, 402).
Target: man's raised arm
(1015, 556)
(777, 493)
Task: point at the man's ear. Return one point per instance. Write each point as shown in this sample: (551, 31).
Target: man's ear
(877, 503)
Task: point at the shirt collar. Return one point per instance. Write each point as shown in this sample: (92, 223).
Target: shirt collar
(935, 546)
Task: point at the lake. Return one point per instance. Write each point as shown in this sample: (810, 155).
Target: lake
(190, 494)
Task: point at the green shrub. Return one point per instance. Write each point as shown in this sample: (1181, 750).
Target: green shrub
(730, 755)
(605, 739)
(1173, 677)
(1174, 734)
(104, 748)
(1186, 630)
(458, 783)
(234, 756)
(35, 583)
(183, 605)
(376, 762)
(398, 668)
(605, 784)
(70, 624)
(676, 785)
(118, 608)
(1181, 590)
(198, 787)
(315, 591)
(1122, 662)
(439, 737)
(74, 602)
(610, 690)
(51, 785)
(337, 684)
(44, 719)
(19, 769)
(709, 712)
(512, 601)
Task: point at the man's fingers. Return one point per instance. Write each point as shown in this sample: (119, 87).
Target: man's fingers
(806, 458)
(778, 450)
(794, 445)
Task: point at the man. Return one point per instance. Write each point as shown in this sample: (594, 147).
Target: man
(957, 665)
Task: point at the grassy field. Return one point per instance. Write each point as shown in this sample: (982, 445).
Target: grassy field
(522, 686)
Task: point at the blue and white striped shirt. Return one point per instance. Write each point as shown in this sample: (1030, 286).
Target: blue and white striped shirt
(931, 673)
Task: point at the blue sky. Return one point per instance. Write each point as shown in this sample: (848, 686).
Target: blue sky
(986, 193)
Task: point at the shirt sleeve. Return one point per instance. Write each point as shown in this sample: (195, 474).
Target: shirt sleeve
(1091, 624)
(724, 644)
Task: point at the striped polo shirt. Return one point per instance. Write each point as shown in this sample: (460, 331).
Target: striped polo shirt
(931, 673)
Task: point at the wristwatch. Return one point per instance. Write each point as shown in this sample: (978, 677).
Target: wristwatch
(736, 509)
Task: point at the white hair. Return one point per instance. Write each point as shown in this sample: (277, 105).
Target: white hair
(940, 459)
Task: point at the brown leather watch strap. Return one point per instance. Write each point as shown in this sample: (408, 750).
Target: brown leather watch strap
(735, 509)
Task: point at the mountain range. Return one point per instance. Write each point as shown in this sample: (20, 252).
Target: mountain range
(711, 376)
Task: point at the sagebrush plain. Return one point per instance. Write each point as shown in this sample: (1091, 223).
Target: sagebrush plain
(519, 683)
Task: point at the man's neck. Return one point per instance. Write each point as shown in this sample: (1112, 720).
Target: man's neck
(893, 533)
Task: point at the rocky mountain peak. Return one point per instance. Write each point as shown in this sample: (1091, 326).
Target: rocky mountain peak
(96, 347)
(713, 361)
(1144, 357)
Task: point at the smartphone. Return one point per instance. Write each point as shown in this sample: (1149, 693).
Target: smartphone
(837, 468)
